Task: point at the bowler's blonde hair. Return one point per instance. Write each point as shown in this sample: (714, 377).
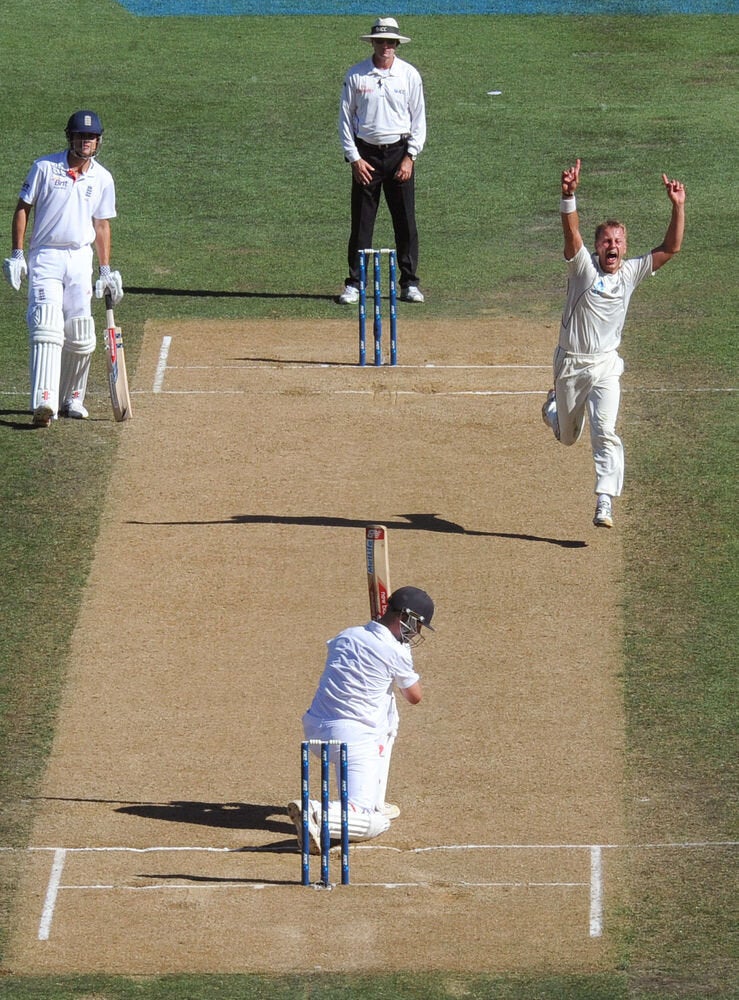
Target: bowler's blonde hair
(610, 224)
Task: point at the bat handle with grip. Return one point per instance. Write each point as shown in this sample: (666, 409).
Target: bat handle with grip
(109, 318)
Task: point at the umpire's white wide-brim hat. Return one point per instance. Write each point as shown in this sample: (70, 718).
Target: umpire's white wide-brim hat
(385, 27)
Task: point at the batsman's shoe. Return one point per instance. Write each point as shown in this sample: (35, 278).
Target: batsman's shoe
(295, 812)
(350, 296)
(74, 409)
(412, 293)
(549, 413)
(43, 415)
(603, 512)
(390, 810)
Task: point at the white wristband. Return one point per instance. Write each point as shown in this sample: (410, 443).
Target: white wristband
(567, 205)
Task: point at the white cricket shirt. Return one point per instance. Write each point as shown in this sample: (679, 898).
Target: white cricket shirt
(382, 105)
(363, 664)
(63, 208)
(596, 303)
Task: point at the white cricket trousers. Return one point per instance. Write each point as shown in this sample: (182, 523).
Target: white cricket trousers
(366, 771)
(590, 383)
(61, 277)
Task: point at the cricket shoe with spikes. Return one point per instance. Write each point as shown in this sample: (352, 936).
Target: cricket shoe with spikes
(295, 812)
(75, 410)
(603, 512)
(349, 296)
(549, 413)
(43, 415)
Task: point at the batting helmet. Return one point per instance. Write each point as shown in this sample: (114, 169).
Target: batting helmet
(415, 602)
(84, 121)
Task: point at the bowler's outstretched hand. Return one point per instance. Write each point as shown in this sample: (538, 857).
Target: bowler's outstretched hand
(570, 180)
(675, 190)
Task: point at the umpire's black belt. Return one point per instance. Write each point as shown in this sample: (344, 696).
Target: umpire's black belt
(383, 145)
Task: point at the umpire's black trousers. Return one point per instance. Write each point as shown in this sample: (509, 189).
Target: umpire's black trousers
(401, 201)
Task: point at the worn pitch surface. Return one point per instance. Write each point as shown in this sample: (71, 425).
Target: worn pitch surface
(231, 548)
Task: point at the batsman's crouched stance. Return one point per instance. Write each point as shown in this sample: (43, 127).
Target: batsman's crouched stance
(355, 704)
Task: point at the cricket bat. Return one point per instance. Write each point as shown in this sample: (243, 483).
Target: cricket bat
(378, 569)
(116, 362)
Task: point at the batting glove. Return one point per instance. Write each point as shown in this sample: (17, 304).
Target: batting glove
(110, 281)
(15, 270)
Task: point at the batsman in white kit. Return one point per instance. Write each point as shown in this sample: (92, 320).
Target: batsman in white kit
(355, 704)
(72, 198)
(587, 365)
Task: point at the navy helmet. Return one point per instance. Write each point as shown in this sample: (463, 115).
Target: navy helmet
(84, 121)
(415, 608)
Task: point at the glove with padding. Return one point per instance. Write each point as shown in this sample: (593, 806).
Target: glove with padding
(110, 281)
(15, 269)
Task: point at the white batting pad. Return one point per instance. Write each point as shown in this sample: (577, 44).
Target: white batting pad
(79, 335)
(79, 343)
(385, 756)
(46, 336)
(362, 825)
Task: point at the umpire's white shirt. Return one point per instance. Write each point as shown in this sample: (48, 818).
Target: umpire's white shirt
(64, 207)
(381, 106)
(596, 303)
(363, 664)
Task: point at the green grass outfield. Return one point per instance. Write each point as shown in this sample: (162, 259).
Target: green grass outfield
(221, 134)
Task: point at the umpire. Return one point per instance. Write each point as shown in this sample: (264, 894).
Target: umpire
(382, 127)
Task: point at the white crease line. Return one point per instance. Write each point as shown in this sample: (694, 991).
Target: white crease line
(659, 845)
(626, 390)
(224, 392)
(596, 892)
(384, 391)
(161, 364)
(442, 883)
(170, 885)
(293, 366)
(47, 914)
(142, 850)
(595, 884)
(478, 847)
(387, 390)
(431, 394)
(548, 847)
(166, 886)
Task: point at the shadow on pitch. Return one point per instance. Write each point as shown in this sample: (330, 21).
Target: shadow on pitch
(211, 879)
(204, 293)
(224, 815)
(410, 522)
(23, 423)
(220, 815)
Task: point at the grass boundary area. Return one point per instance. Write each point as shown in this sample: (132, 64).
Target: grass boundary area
(409, 986)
